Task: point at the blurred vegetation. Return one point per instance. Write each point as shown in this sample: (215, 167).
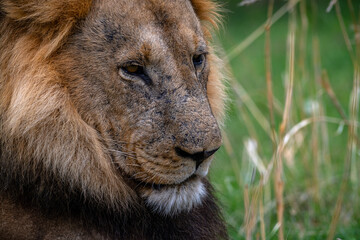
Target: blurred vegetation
(289, 168)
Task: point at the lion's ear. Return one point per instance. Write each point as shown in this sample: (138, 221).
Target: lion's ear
(45, 11)
(208, 11)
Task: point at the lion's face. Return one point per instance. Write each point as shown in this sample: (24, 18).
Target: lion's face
(138, 73)
(114, 98)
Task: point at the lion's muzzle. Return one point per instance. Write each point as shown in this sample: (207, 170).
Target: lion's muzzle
(197, 157)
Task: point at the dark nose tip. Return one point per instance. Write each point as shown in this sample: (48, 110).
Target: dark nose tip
(198, 157)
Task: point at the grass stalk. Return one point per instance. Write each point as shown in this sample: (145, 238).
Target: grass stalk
(343, 30)
(352, 13)
(252, 203)
(350, 161)
(330, 92)
(304, 74)
(270, 95)
(315, 141)
(302, 53)
(315, 156)
(247, 121)
(245, 99)
(279, 184)
(260, 30)
(247, 212)
(261, 211)
(351, 148)
(234, 163)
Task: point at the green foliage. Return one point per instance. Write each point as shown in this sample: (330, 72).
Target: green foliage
(320, 156)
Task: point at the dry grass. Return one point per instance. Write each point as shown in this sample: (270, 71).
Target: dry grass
(274, 191)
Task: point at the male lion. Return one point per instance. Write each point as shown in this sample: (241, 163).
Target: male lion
(108, 123)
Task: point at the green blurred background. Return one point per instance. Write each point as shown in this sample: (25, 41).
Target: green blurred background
(314, 161)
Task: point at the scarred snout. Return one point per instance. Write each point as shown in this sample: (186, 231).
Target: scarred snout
(197, 135)
(197, 157)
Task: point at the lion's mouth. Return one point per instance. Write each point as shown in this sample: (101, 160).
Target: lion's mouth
(171, 199)
(158, 187)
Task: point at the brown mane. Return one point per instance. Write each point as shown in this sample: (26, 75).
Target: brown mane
(54, 166)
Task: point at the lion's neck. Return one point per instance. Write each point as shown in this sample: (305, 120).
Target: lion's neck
(80, 217)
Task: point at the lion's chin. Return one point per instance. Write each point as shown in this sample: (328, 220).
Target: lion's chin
(174, 199)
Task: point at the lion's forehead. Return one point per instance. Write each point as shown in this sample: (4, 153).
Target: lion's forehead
(156, 21)
(164, 11)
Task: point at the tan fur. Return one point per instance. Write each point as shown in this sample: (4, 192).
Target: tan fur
(54, 122)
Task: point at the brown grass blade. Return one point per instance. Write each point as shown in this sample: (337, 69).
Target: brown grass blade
(350, 160)
(270, 95)
(279, 184)
(343, 30)
(260, 30)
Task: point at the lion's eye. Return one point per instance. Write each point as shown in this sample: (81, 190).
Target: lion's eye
(198, 60)
(133, 70)
(136, 71)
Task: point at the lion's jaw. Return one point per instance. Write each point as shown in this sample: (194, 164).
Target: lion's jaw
(178, 191)
(160, 130)
(171, 200)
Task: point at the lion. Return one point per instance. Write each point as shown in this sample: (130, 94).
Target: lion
(109, 119)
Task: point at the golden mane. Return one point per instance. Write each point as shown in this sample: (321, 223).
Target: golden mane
(208, 12)
(51, 20)
(34, 108)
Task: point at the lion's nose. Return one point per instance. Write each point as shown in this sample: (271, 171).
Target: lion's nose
(198, 157)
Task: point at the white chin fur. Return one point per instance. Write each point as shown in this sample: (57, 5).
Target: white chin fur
(175, 199)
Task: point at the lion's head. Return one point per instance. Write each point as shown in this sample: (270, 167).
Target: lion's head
(120, 99)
